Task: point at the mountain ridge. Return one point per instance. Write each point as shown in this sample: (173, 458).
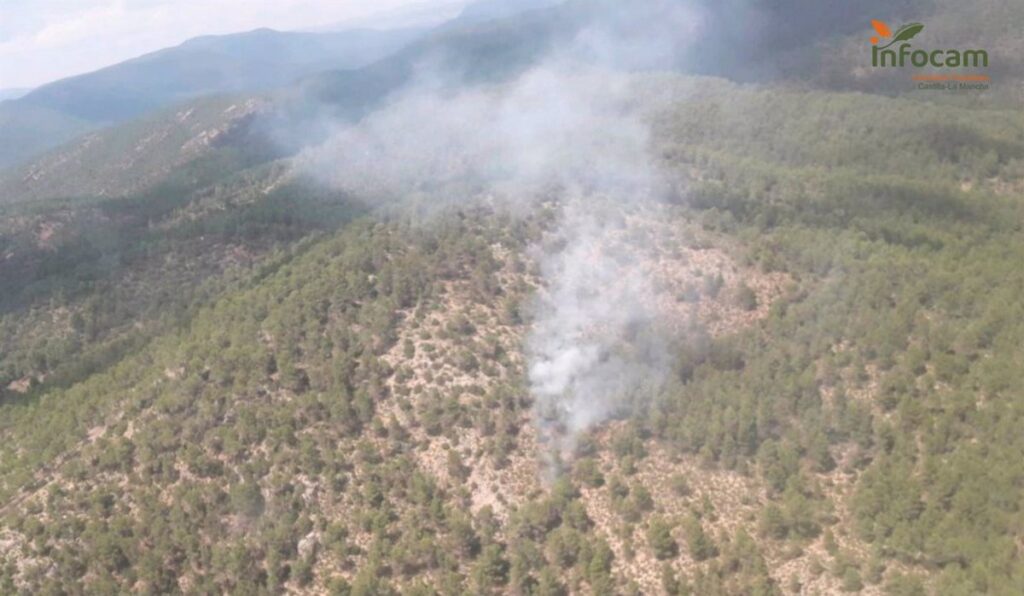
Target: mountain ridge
(246, 62)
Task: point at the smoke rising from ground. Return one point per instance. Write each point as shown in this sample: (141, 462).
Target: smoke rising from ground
(570, 129)
(597, 348)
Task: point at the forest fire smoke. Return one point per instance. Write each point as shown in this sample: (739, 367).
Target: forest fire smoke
(571, 125)
(596, 348)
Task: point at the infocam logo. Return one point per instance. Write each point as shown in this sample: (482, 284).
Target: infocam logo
(898, 52)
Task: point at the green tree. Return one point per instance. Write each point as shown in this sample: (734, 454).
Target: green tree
(659, 536)
(698, 543)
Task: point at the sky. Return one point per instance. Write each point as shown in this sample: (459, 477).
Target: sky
(46, 40)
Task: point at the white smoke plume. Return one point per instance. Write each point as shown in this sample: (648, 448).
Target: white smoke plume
(572, 127)
(559, 124)
(597, 348)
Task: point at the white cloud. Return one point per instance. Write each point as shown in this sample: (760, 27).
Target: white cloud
(44, 40)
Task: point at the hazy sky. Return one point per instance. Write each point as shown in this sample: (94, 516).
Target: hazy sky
(44, 40)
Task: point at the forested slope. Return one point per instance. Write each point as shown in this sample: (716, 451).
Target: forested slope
(348, 411)
(249, 62)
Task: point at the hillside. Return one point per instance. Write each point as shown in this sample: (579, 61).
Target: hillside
(746, 41)
(29, 130)
(816, 43)
(347, 406)
(36, 120)
(532, 305)
(228, 64)
(256, 60)
(479, 48)
(139, 155)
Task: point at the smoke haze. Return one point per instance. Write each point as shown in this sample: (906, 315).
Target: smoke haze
(571, 129)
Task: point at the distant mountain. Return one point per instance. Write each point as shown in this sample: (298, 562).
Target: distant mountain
(486, 10)
(470, 49)
(259, 59)
(37, 120)
(245, 62)
(136, 154)
(6, 94)
(493, 40)
(467, 51)
(27, 129)
(418, 14)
